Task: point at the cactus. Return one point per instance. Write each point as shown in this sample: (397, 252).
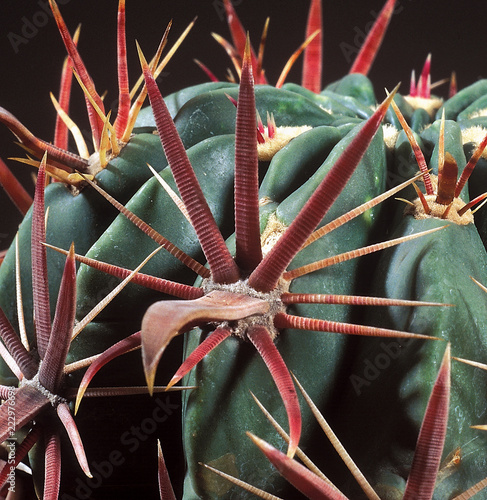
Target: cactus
(280, 213)
(43, 393)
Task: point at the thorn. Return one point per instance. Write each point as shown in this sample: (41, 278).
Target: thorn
(447, 179)
(103, 146)
(321, 264)
(475, 364)
(355, 212)
(123, 78)
(413, 92)
(134, 111)
(418, 154)
(174, 197)
(419, 193)
(72, 430)
(259, 73)
(96, 124)
(424, 85)
(239, 36)
(431, 439)
(165, 488)
(298, 475)
(271, 125)
(242, 484)
(18, 289)
(476, 200)
(261, 338)
(72, 127)
(61, 129)
(231, 52)
(154, 61)
(260, 124)
(206, 70)
(373, 41)
(231, 99)
(289, 64)
(204, 348)
(467, 171)
(313, 58)
(14, 189)
(453, 85)
(439, 83)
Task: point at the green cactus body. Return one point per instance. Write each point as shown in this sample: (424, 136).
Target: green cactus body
(395, 371)
(472, 120)
(420, 119)
(80, 217)
(355, 85)
(329, 101)
(462, 100)
(434, 268)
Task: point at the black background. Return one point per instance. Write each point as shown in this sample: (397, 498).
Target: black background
(30, 68)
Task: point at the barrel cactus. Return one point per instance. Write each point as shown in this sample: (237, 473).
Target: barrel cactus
(272, 202)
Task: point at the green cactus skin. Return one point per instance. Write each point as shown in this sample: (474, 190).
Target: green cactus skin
(477, 184)
(288, 169)
(462, 100)
(473, 122)
(340, 106)
(392, 373)
(395, 373)
(354, 85)
(419, 120)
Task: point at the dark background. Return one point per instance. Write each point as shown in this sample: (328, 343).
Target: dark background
(30, 67)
